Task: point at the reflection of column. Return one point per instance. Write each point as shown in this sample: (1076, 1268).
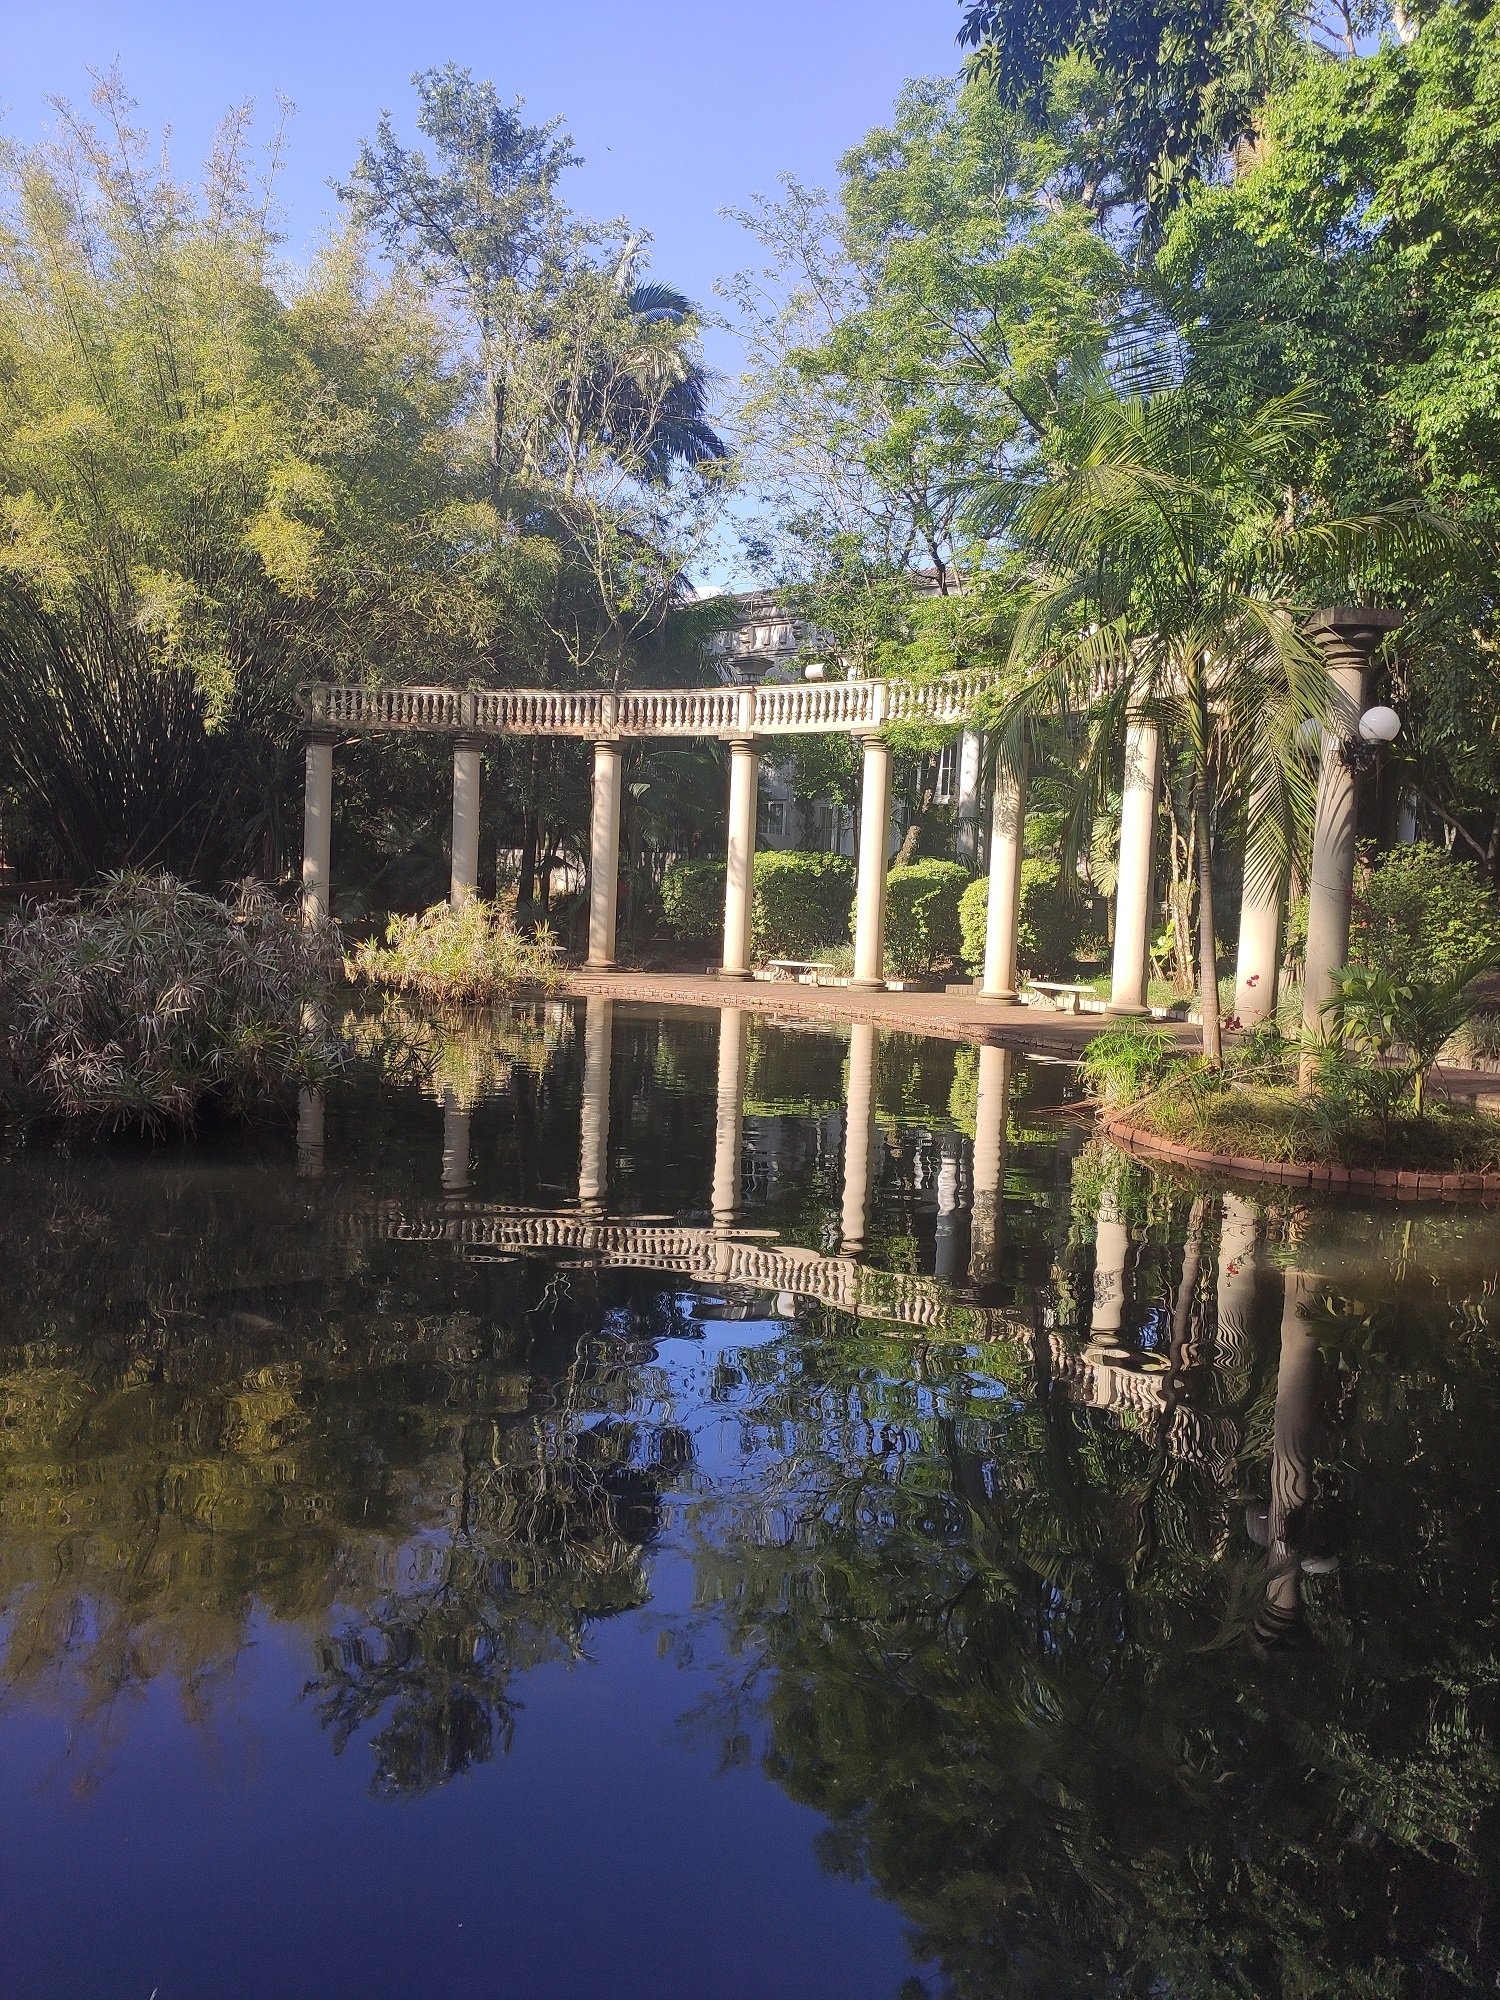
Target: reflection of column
(1280, 1621)
(317, 828)
(966, 804)
(1111, 1249)
(1133, 893)
(1003, 908)
(311, 1110)
(991, 1111)
(739, 872)
(1238, 1276)
(593, 1145)
(1347, 639)
(859, 1135)
(464, 878)
(729, 1116)
(874, 844)
(456, 1119)
(945, 1251)
(604, 853)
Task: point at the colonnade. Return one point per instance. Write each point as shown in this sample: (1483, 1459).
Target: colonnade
(739, 716)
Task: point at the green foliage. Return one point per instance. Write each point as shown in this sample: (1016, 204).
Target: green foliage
(1419, 910)
(142, 1002)
(1050, 931)
(1130, 1062)
(692, 899)
(802, 903)
(473, 954)
(922, 926)
(1401, 1023)
(1358, 250)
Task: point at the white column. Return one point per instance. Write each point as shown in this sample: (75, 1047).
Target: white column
(456, 1121)
(1258, 962)
(593, 1136)
(1003, 909)
(1137, 844)
(317, 829)
(729, 1116)
(604, 853)
(1295, 1437)
(1347, 639)
(991, 1111)
(739, 871)
(859, 1136)
(465, 873)
(874, 853)
(966, 805)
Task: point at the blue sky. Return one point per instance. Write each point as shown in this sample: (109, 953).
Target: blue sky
(679, 110)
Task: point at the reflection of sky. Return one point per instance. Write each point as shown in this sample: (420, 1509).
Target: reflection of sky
(605, 1853)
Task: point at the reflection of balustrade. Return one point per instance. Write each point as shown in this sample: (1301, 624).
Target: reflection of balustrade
(841, 1282)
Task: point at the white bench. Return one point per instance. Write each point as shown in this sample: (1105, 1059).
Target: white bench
(805, 970)
(1065, 998)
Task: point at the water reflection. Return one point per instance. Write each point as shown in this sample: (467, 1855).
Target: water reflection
(1093, 1553)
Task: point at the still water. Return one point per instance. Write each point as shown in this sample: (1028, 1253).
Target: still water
(640, 1502)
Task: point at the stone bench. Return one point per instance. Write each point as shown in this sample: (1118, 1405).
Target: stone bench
(1064, 998)
(805, 970)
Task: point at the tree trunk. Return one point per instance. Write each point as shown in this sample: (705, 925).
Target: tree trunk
(1208, 954)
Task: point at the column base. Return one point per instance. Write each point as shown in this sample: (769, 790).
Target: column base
(601, 965)
(1000, 999)
(1128, 1013)
(866, 986)
(732, 972)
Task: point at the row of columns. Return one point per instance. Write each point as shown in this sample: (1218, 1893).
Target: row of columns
(1348, 639)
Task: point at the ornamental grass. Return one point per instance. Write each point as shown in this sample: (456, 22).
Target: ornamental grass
(140, 1003)
(473, 955)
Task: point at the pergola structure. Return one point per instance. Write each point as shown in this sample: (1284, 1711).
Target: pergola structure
(739, 716)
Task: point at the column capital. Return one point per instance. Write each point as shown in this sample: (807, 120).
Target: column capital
(466, 739)
(612, 743)
(321, 734)
(1360, 627)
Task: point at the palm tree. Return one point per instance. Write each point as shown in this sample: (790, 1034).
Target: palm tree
(1168, 558)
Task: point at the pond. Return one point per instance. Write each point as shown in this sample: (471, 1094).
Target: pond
(648, 1502)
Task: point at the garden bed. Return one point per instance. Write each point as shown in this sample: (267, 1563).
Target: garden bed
(1421, 1183)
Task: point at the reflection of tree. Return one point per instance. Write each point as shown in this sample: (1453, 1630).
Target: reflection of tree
(1058, 1748)
(233, 1420)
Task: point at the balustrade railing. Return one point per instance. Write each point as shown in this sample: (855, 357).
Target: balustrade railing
(784, 709)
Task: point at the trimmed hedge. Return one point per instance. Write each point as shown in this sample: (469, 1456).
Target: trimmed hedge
(1051, 932)
(922, 928)
(692, 898)
(801, 903)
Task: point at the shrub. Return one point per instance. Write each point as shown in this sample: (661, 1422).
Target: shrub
(922, 926)
(138, 1002)
(802, 903)
(692, 898)
(1129, 1062)
(1419, 910)
(1050, 931)
(1383, 1019)
(473, 954)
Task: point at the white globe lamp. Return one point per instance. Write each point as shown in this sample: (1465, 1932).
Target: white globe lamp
(1379, 725)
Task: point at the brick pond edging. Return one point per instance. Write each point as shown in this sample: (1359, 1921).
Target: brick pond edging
(1400, 1182)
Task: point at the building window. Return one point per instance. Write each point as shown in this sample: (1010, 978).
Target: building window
(775, 819)
(947, 774)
